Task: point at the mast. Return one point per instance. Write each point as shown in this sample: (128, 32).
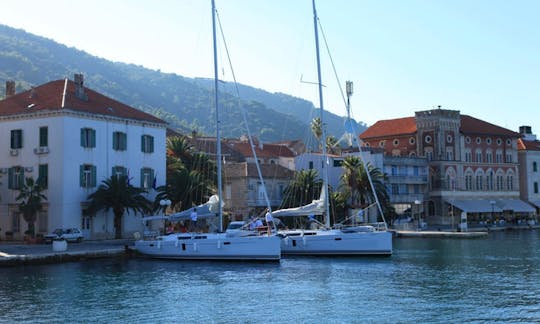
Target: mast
(218, 137)
(323, 137)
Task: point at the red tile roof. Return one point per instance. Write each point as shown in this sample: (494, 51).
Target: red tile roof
(524, 145)
(400, 126)
(407, 126)
(48, 97)
(268, 150)
(471, 125)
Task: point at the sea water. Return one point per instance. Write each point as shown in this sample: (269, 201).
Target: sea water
(493, 279)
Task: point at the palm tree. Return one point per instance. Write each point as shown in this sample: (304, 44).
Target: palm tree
(355, 181)
(304, 188)
(190, 175)
(31, 198)
(316, 128)
(118, 194)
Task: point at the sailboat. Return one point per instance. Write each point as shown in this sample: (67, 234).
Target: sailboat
(210, 246)
(357, 240)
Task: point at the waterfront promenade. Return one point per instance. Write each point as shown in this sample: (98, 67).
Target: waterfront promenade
(19, 253)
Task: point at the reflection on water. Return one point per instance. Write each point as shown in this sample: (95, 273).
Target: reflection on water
(426, 280)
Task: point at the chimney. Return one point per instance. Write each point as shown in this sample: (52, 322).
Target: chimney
(10, 88)
(526, 132)
(78, 78)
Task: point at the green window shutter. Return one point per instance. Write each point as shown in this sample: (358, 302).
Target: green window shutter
(10, 178)
(12, 139)
(82, 137)
(151, 184)
(151, 144)
(43, 136)
(21, 142)
(123, 141)
(81, 175)
(115, 139)
(142, 178)
(93, 176)
(43, 175)
(92, 138)
(142, 143)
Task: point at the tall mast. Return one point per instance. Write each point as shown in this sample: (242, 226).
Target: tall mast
(218, 137)
(323, 137)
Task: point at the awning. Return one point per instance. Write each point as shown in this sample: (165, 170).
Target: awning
(535, 203)
(475, 206)
(516, 205)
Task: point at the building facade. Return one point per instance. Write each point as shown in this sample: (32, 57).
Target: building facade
(529, 168)
(71, 139)
(472, 164)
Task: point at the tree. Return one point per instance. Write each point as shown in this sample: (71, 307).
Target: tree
(31, 198)
(356, 185)
(191, 175)
(304, 188)
(317, 128)
(118, 194)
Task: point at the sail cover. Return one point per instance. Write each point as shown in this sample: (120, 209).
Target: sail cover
(208, 209)
(316, 207)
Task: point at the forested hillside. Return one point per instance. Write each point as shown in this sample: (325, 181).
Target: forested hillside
(183, 102)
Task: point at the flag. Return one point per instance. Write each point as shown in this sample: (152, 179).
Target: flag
(154, 182)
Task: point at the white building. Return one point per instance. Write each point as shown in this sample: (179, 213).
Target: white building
(529, 166)
(73, 138)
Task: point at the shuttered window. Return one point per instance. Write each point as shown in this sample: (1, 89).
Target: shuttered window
(119, 141)
(87, 176)
(88, 137)
(147, 144)
(15, 177)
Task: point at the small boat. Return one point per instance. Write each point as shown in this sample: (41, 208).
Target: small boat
(209, 246)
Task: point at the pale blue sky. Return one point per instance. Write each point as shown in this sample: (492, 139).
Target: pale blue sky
(477, 56)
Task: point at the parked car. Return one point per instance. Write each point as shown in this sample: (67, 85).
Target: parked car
(70, 235)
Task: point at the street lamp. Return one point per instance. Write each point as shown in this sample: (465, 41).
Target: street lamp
(492, 203)
(417, 203)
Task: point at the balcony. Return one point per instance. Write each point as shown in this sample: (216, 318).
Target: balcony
(41, 150)
(407, 179)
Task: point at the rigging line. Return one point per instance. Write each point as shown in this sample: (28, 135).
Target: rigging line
(244, 114)
(332, 61)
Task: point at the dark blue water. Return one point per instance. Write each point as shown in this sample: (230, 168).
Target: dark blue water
(496, 279)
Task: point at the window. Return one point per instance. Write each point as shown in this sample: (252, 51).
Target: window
(381, 144)
(449, 138)
(147, 178)
(338, 163)
(87, 176)
(535, 167)
(499, 157)
(119, 141)
(15, 221)
(479, 182)
(478, 140)
(508, 142)
(489, 181)
(468, 181)
(429, 155)
(489, 157)
(16, 138)
(468, 140)
(43, 175)
(43, 136)
(118, 171)
(412, 140)
(479, 156)
(88, 137)
(396, 142)
(15, 177)
(499, 182)
(510, 182)
(147, 144)
(508, 157)
(395, 189)
(427, 139)
(536, 187)
(416, 170)
(449, 154)
(488, 141)
(394, 170)
(468, 156)
(310, 165)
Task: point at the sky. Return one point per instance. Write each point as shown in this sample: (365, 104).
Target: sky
(481, 57)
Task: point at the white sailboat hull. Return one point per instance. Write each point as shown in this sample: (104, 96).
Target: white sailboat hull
(205, 246)
(336, 242)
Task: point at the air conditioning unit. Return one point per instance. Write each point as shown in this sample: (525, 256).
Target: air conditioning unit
(28, 169)
(41, 150)
(14, 152)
